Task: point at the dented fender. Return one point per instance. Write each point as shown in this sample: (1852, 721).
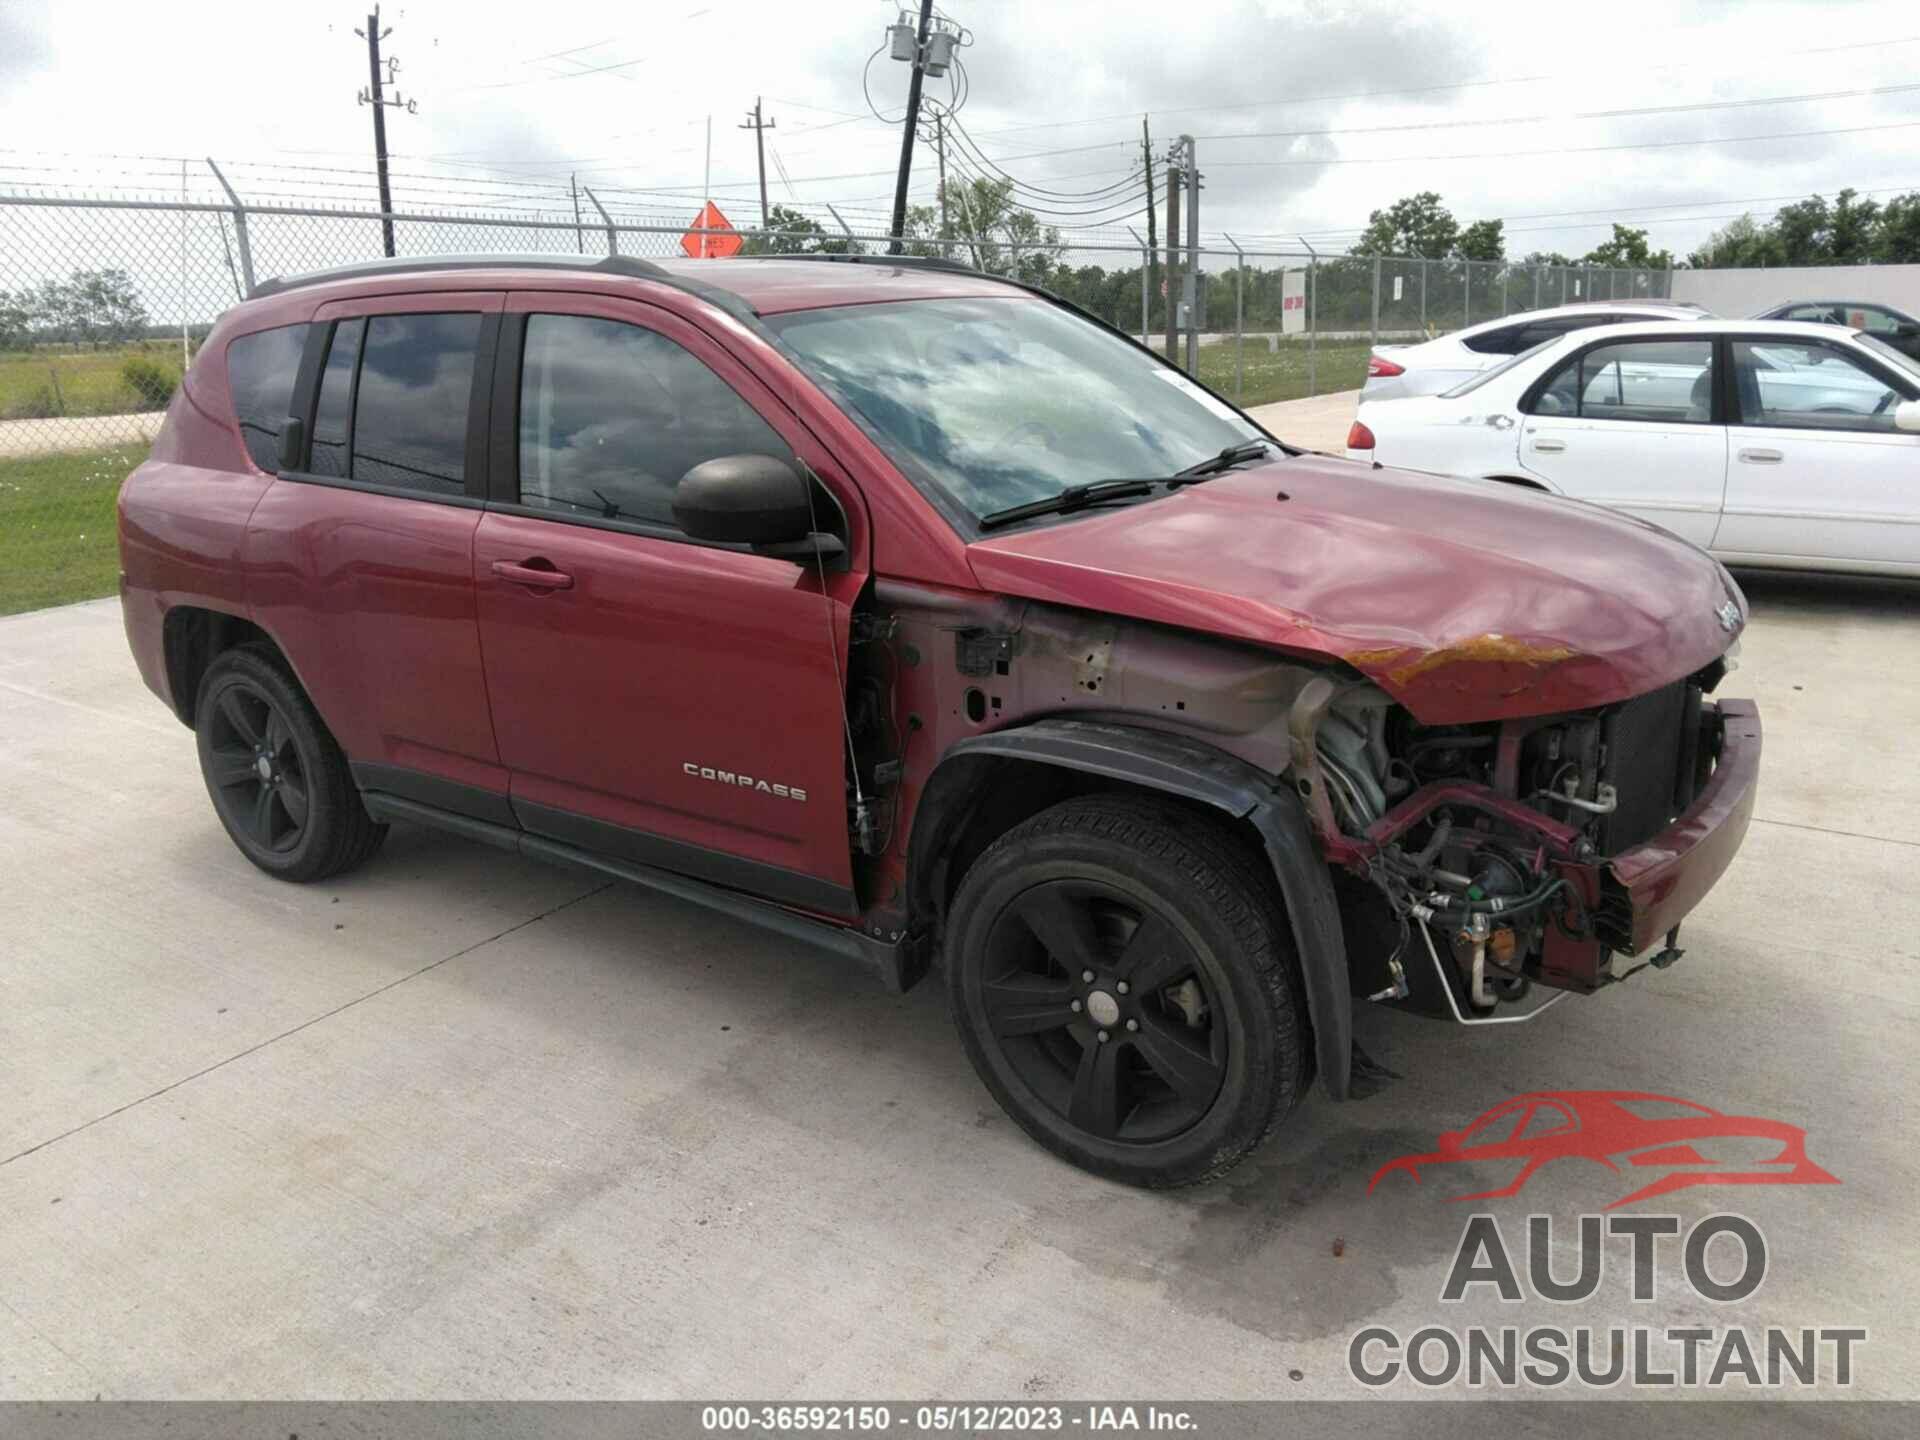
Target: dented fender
(1177, 765)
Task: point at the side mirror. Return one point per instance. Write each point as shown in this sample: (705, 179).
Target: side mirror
(1449, 1141)
(1906, 415)
(745, 499)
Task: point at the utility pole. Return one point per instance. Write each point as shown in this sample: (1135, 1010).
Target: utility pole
(373, 96)
(760, 128)
(1152, 276)
(940, 149)
(1173, 257)
(1190, 171)
(579, 238)
(909, 128)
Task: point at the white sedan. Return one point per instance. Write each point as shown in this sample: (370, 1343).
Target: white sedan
(1768, 443)
(1432, 366)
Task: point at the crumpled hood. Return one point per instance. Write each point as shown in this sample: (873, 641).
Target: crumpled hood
(1463, 599)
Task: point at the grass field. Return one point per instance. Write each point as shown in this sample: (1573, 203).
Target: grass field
(61, 380)
(56, 527)
(1265, 378)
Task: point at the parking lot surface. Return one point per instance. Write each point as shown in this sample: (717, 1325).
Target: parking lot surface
(462, 1125)
(1318, 423)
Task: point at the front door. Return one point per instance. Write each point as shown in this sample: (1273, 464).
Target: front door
(1631, 424)
(672, 702)
(1819, 472)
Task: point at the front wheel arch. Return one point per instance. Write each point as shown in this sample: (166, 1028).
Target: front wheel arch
(958, 816)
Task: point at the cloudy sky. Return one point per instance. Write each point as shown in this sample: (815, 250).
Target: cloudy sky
(1307, 116)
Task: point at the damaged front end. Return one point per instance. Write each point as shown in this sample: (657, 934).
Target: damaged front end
(1478, 860)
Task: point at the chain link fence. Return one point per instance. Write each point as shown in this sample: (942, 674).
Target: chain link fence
(103, 303)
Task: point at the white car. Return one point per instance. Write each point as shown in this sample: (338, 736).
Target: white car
(1768, 443)
(1396, 371)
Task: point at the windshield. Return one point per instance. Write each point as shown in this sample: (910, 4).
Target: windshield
(1904, 362)
(1468, 386)
(1000, 402)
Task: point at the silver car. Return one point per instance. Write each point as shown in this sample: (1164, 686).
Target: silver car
(1433, 367)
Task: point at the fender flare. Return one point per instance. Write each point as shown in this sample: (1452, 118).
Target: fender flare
(1176, 765)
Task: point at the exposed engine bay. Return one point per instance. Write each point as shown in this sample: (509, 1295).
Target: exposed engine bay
(1475, 854)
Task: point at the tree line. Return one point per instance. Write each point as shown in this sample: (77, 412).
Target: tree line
(1850, 231)
(90, 307)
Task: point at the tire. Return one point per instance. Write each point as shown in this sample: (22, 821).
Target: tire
(1206, 1045)
(277, 779)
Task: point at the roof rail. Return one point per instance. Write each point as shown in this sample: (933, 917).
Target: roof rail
(912, 262)
(625, 265)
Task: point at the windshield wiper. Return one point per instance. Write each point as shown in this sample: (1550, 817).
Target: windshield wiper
(1074, 497)
(1214, 464)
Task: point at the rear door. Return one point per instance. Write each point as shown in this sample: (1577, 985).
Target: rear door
(1634, 424)
(1819, 472)
(362, 554)
(671, 701)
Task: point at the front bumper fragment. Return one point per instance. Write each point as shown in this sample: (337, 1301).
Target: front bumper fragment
(1649, 889)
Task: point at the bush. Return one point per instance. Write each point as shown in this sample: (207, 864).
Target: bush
(151, 383)
(39, 403)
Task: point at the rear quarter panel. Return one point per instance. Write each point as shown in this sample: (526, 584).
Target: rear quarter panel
(182, 527)
(1418, 434)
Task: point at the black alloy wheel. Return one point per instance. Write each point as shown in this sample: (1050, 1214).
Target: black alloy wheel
(1104, 1010)
(256, 772)
(280, 785)
(1123, 979)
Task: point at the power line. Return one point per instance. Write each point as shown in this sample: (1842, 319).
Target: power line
(615, 66)
(1566, 150)
(1132, 201)
(624, 162)
(1324, 97)
(981, 160)
(1328, 97)
(1620, 114)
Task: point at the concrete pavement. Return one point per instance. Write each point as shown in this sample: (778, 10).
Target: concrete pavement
(1319, 422)
(461, 1125)
(65, 434)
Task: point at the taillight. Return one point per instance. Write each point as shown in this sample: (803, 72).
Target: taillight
(1379, 367)
(1359, 437)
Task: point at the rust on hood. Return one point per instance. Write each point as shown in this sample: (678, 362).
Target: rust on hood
(1487, 649)
(1375, 659)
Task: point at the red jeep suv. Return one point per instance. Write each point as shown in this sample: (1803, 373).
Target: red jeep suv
(913, 613)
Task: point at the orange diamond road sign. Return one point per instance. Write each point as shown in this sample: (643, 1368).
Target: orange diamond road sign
(711, 247)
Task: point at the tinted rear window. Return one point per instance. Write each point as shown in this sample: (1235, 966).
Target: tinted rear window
(1503, 341)
(260, 372)
(410, 414)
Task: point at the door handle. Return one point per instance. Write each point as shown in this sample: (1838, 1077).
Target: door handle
(1549, 447)
(540, 576)
(1762, 457)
